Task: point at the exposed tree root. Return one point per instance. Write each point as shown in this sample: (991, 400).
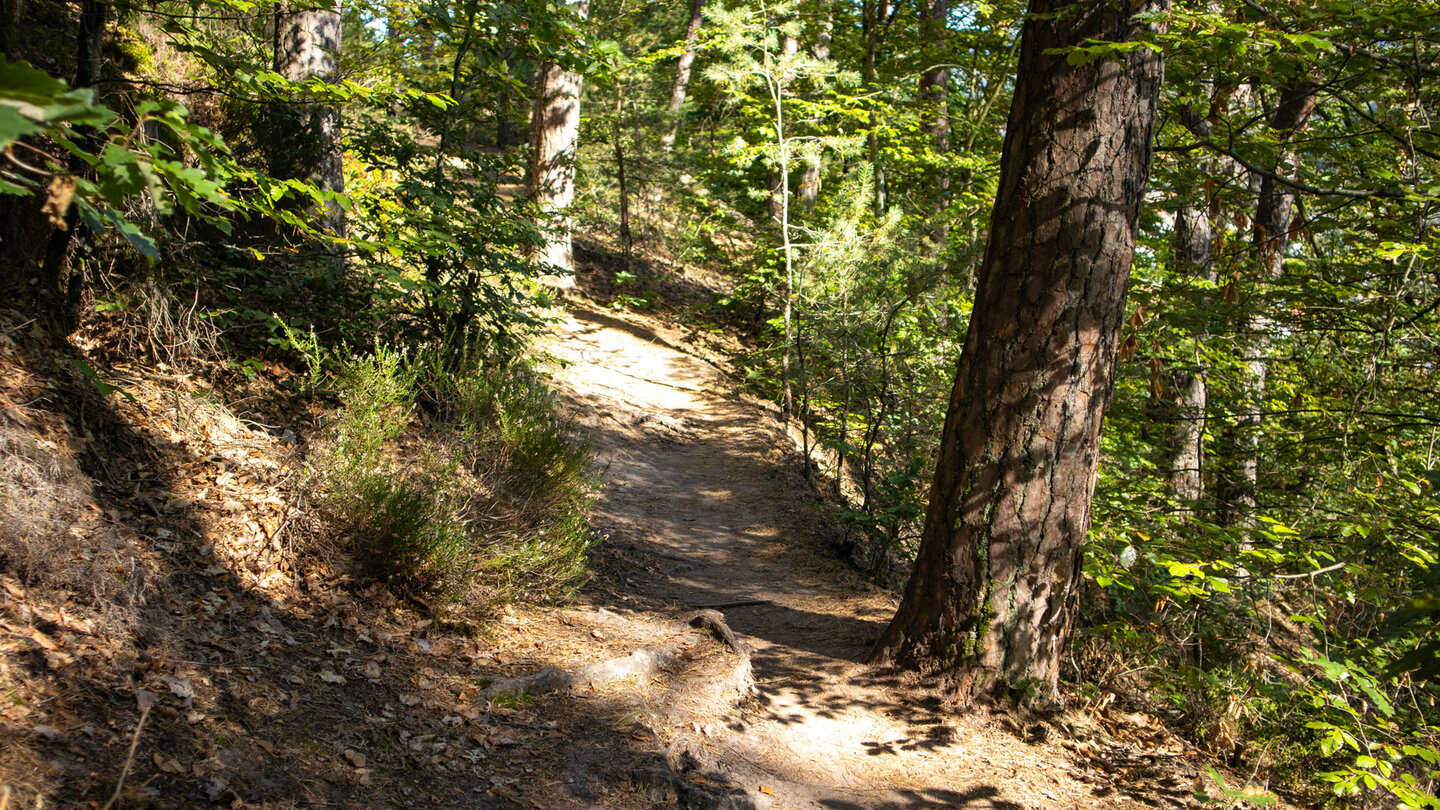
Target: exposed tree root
(641, 664)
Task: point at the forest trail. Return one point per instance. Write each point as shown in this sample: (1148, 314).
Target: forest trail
(704, 506)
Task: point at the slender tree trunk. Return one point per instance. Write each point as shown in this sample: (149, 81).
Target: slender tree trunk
(934, 92)
(504, 124)
(682, 73)
(874, 17)
(307, 42)
(617, 141)
(1191, 255)
(780, 185)
(554, 139)
(993, 591)
(61, 289)
(1270, 238)
(810, 181)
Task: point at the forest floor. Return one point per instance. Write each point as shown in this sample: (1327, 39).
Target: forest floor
(167, 640)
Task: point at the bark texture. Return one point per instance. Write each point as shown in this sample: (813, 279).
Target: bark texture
(682, 73)
(306, 44)
(554, 138)
(992, 594)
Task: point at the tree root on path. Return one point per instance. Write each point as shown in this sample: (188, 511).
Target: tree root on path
(641, 665)
(714, 621)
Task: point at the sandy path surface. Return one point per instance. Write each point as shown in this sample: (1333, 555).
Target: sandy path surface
(704, 506)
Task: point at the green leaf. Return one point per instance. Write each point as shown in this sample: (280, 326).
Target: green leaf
(13, 125)
(105, 388)
(20, 81)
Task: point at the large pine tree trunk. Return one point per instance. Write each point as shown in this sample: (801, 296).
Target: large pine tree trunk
(307, 43)
(682, 73)
(993, 591)
(554, 139)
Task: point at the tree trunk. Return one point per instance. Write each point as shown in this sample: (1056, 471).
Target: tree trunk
(778, 185)
(307, 42)
(60, 293)
(682, 74)
(554, 139)
(990, 600)
(625, 238)
(1191, 255)
(812, 169)
(1270, 238)
(504, 125)
(934, 93)
(810, 181)
(874, 19)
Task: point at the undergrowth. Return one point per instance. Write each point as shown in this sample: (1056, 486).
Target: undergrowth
(446, 479)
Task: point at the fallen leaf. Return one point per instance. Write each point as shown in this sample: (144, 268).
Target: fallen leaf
(180, 687)
(355, 757)
(329, 676)
(41, 639)
(767, 790)
(58, 196)
(48, 732)
(168, 765)
(146, 699)
(410, 700)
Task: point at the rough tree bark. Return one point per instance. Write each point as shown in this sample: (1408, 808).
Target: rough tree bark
(554, 138)
(682, 74)
(990, 601)
(307, 42)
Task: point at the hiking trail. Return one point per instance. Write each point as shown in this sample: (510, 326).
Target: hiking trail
(704, 507)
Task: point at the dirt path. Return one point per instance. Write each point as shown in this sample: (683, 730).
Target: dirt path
(704, 507)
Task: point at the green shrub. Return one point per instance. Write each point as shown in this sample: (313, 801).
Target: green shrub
(446, 479)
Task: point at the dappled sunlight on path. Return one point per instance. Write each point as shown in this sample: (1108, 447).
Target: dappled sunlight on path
(704, 506)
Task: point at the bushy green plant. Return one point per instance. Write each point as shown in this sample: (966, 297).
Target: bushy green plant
(446, 478)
